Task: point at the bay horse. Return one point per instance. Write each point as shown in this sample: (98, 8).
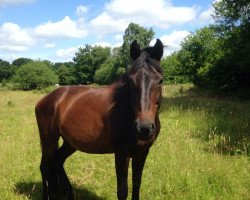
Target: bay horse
(121, 119)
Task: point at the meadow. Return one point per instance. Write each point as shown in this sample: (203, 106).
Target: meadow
(202, 152)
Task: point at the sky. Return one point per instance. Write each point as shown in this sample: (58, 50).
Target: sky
(55, 29)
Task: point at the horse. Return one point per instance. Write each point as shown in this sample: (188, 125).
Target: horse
(122, 119)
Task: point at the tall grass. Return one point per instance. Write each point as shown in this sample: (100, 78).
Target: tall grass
(201, 153)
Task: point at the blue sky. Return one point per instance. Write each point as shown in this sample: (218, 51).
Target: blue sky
(55, 29)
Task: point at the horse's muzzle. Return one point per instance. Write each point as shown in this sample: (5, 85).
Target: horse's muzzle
(144, 130)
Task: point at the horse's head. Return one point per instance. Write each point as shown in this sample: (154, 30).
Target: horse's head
(145, 82)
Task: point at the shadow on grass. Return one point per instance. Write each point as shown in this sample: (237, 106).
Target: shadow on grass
(33, 190)
(225, 126)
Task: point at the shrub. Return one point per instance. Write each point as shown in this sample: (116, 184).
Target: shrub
(35, 75)
(109, 72)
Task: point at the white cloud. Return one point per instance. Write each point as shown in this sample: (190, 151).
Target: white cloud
(102, 44)
(14, 38)
(161, 12)
(104, 24)
(49, 45)
(66, 28)
(172, 41)
(81, 10)
(205, 17)
(111, 22)
(14, 2)
(119, 37)
(118, 14)
(66, 54)
(107, 44)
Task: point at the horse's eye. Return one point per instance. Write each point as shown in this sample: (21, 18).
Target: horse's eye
(160, 82)
(158, 104)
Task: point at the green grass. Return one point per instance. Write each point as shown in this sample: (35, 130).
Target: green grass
(202, 151)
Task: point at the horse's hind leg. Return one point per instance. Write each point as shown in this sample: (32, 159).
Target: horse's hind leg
(49, 177)
(61, 155)
(49, 141)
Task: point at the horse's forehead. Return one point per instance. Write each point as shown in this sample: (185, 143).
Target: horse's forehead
(145, 74)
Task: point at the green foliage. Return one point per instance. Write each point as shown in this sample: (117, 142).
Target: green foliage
(6, 70)
(200, 52)
(4, 82)
(88, 60)
(217, 57)
(66, 73)
(232, 72)
(56, 65)
(135, 32)
(34, 75)
(232, 12)
(105, 75)
(108, 72)
(4, 63)
(233, 21)
(21, 61)
(173, 72)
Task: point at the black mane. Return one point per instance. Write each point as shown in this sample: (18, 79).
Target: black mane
(145, 60)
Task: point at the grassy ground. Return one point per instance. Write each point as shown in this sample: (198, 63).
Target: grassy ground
(201, 153)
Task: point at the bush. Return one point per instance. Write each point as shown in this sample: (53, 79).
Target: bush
(108, 72)
(4, 82)
(66, 75)
(173, 70)
(35, 75)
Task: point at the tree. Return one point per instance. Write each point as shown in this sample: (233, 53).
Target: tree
(21, 61)
(6, 70)
(66, 74)
(200, 52)
(35, 75)
(135, 32)
(173, 72)
(217, 56)
(108, 72)
(111, 69)
(233, 21)
(232, 13)
(88, 60)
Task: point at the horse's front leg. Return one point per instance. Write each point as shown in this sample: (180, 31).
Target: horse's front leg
(138, 161)
(121, 166)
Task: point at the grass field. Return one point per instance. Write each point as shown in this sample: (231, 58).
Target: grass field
(202, 152)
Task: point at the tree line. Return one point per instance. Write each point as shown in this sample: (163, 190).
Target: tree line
(217, 56)
(91, 64)
(214, 57)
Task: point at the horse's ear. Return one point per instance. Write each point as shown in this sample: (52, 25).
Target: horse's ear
(157, 51)
(135, 50)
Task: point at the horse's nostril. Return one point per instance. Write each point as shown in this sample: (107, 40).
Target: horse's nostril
(137, 126)
(152, 127)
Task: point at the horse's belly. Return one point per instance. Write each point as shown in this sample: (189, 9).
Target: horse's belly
(88, 135)
(92, 147)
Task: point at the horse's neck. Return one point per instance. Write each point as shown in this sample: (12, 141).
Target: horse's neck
(122, 116)
(122, 101)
